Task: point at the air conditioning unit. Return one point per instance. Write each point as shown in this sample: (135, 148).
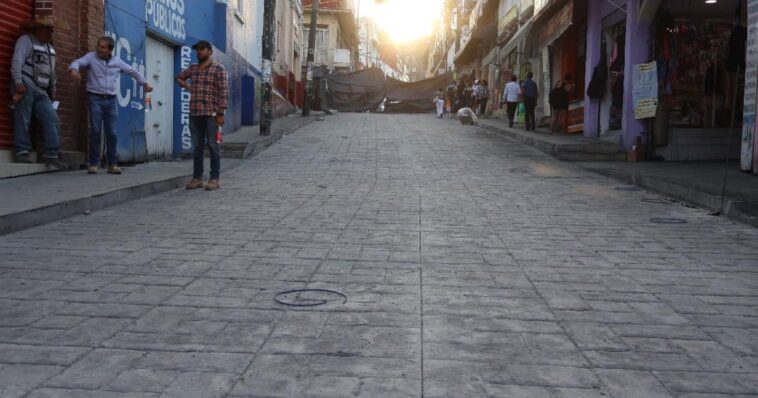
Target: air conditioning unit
(342, 57)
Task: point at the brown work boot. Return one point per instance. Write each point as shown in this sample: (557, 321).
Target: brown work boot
(195, 183)
(212, 185)
(92, 170)
(114, 170)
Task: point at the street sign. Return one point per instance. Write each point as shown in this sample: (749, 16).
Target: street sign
(645, 90)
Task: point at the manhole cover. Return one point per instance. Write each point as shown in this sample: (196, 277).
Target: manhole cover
(309, 297)
(518, 170)
(667, 221)
(628, 189)
(657, 201)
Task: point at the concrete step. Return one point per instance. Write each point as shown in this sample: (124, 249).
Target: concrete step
(562, 147)
(8, 168)
(20, 169)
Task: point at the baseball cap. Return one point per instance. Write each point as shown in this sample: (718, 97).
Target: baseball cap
(202, 44)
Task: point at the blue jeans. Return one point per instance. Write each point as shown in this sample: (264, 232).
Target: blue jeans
(102, 113)
(203, 129)
(38, 105)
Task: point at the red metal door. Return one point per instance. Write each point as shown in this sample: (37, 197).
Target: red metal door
(13, 13)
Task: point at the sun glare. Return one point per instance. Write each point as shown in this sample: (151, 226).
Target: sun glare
(403, 20)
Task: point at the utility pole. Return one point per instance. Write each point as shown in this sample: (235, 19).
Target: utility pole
(309, 62)
(269, 8)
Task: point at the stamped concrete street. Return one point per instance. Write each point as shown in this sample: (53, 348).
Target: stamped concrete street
(471, 266)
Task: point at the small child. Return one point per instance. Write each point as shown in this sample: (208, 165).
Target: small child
(440, 103)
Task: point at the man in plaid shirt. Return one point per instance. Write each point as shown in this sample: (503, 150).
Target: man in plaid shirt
(209, 92)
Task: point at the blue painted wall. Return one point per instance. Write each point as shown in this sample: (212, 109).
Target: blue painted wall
(234, 33)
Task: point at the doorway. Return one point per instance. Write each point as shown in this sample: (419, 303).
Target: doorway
(159, 121)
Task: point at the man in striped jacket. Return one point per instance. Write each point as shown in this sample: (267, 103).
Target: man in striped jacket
(33, 88)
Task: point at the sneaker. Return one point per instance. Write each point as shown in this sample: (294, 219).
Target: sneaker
(212, 185)
(114, 170)
(23, 158)
(92, 170)
(195, 183)
(55, 162)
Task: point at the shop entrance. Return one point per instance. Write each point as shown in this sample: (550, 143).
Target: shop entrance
(159, 122)
(700, 50)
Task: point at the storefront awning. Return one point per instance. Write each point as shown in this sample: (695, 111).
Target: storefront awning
(517, 37)
(553, 27)
(470, 48)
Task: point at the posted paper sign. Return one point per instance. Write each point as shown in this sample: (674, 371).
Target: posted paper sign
(645, 90)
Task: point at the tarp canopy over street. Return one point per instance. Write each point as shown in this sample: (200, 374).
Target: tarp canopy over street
(356, 91)
(416, 96)
(366, 90)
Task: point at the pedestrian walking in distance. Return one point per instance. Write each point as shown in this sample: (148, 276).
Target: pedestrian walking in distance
(33, 74)
(209, 91)
(529, 93)
(103, 71)
(484, 97)
(510, 97)
(439, 103)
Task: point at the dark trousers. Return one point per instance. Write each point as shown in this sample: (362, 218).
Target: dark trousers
(203, 129)
(511, 109)
(483, 106)
(530, 103)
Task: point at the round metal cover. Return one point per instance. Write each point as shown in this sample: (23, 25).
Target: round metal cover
(668, 221)
(628, 189)
(309, 297)
(519, 170)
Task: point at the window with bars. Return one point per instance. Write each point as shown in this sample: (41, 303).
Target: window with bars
(321, 50)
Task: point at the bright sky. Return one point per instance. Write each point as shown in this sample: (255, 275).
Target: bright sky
(403, 20)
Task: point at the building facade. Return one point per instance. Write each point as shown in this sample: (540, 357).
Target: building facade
(156, 37)
(288, 55)
(85, 25)
(700, 91)
(336, 35)
(496, 39)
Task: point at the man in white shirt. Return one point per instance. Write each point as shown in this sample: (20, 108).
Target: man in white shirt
(511, 95)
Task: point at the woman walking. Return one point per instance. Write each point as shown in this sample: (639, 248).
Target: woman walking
(559, 101)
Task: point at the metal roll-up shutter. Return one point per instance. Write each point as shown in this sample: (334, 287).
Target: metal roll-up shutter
(13, 13)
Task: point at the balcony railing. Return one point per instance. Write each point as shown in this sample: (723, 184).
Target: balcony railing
(337, 5)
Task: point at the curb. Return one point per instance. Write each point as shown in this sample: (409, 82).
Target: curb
(15, 222)
(733, 209)
(564, 152)
(42, 215)
(256, 147)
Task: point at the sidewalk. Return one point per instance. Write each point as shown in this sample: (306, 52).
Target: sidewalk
(248, 141)
(698, 183)
(572, 147)
(41, 198)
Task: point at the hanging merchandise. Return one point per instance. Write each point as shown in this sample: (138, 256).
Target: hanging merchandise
(617, 56)
(691, 71)
(735, 58)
